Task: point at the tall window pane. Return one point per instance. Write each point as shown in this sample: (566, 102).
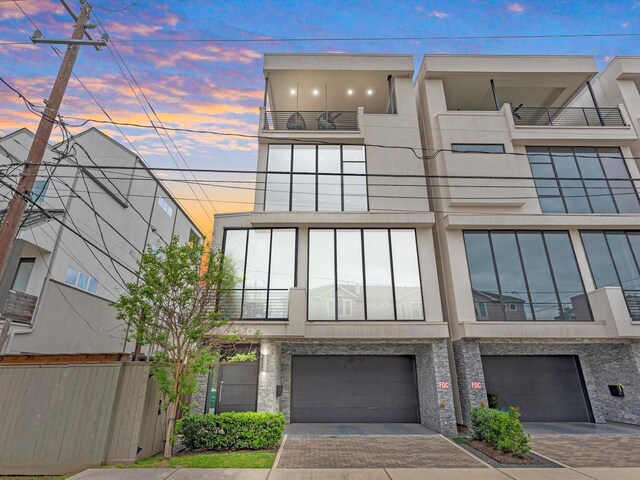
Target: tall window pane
(623, 259)
(321, 275)
(349, 269)
(303, 196)
(484, 284)
(234, 251)
(283, 260)
(278, 185)
(574, 302)
(329, 186)
(256, 274)
(355, 187)
(406, 275)
(378, 275)
(600, 261)
(543, 293)
(514, 290)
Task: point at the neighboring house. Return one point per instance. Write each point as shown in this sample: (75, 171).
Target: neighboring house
(57, 286)
(337, 256)
(531, 266)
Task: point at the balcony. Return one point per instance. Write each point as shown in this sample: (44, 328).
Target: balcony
(19, 307)
(567, 117)
(346, 121)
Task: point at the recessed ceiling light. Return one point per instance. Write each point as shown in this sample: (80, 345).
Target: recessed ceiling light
(315, 92)
(292, 91)
(350, 92)
(369, 92)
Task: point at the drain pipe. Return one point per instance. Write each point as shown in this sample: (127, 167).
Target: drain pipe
(495, 95)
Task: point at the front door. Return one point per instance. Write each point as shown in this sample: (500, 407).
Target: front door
(237, 387)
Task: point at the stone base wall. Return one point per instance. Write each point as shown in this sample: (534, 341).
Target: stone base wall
(603, 363)
(432, 366)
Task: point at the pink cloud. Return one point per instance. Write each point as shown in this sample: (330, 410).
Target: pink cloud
(516, 7)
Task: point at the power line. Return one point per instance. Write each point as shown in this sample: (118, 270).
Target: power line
(116, 10)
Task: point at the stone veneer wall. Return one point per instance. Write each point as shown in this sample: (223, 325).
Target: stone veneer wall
(432, 366)
(268, 376)
(603, 362)
(469, 370)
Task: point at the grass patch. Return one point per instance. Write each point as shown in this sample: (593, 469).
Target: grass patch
(209, 460)
(461, 440)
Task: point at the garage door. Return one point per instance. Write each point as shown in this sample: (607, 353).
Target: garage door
(544, 388)
(353, 389)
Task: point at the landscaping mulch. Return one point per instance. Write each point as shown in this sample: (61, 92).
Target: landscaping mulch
(494, 457)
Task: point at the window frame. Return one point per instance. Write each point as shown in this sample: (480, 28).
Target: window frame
(557, 179)
(78, 274)
(503, 304)
(165, 206)
(291, 173)
(364, 278)
(626, 234)
(246, 251)
(479, 150)
(23, 261)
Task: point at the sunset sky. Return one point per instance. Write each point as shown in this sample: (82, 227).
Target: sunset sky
(218, 85)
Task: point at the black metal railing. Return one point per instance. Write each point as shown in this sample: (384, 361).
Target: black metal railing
(567, 116)
(253, 304)
(329, 120)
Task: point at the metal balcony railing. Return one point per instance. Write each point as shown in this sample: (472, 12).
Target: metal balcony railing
(253, 304)
(567, 117)
(312, 121)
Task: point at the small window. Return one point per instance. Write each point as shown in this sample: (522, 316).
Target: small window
(477, 148)
(21, 280)
(39, 191)
(80, 280)
(164, 204)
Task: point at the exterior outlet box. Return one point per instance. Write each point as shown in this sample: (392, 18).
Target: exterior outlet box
(278, 390)
(616, 390)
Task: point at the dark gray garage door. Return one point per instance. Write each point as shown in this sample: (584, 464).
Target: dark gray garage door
(544, 388)
(353, 389)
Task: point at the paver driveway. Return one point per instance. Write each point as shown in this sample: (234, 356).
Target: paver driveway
(373, 451)
(590, 450)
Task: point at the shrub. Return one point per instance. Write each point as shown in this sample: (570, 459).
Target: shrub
(232, 430)
(503, 430)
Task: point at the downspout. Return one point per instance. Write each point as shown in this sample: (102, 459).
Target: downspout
(47, 277)
(392, 103)
(495, 95)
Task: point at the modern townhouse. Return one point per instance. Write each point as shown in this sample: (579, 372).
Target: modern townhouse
(336, 260)
(58, 285)
(531, 178)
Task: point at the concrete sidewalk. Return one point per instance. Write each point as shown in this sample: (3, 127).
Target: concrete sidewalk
(360, 474)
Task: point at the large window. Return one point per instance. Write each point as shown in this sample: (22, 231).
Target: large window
(370, 274)
(519, 276)
(614, 261)
(264, 263)
(582, 180)
(328, 178)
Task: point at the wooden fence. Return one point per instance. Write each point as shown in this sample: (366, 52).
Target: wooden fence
(63, 418)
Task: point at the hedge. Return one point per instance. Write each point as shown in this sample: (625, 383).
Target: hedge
(501, 429)
(231, 430)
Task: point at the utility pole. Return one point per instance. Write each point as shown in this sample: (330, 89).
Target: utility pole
(18, 203)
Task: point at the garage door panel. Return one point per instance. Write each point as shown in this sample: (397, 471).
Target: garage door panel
(361, 389)
(545, 388)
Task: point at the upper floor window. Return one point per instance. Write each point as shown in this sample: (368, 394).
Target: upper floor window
(614, 261)
(80, 280)
(164, 204)
(477, 148)
(316, 178)
(518, 276)
(264, 264)
(39, 191)
(582, 180)
(370, 274)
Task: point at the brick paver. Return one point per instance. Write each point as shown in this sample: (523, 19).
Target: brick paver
(590, 450)
(373, 451)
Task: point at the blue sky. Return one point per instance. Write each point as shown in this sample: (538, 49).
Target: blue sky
(218, 85)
